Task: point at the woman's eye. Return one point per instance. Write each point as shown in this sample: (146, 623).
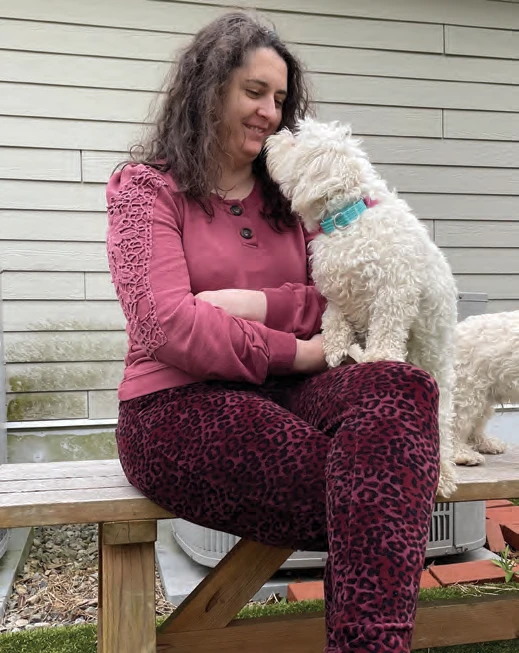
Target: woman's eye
(253, 93)
(279, 103)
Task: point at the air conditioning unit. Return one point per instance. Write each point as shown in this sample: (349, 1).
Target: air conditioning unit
(455, 527)
(4, 534)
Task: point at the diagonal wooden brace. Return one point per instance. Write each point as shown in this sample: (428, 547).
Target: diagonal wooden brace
(224, 592)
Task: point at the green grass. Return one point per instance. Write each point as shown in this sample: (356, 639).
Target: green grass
(82, 639)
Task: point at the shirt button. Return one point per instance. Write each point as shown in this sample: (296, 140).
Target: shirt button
(246, 233)
(236, 209)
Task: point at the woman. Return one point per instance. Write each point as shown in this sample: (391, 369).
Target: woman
(228, 416)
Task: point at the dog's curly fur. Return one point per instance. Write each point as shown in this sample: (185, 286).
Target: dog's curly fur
(487, 374)
(382, 275)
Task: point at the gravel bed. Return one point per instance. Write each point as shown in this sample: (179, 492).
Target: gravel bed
(58, 584)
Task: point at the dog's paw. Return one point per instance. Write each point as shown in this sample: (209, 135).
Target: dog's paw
(356, 352)
(491, 445)
(447, 483)
(334, 358)
(468, 457)
(446, 487)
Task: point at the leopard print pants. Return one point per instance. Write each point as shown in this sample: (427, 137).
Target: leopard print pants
(345, 461)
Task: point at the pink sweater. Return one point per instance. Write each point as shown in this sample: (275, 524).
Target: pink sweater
(163, 249)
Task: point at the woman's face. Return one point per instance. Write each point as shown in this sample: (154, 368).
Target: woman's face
(253, 104)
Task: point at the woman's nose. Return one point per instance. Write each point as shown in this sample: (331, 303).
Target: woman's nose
(268, 109)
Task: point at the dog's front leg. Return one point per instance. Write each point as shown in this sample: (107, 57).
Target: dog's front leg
(338, 335)
(391, 316)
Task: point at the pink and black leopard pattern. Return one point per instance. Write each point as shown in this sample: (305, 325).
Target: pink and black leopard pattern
(345, 461)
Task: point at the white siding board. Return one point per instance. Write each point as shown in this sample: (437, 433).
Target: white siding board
(48, 165)
(136, 75)
(47, 347)
(98, 285)
(62, 316)
(383, 120)
(187, 18)
(53, 225)
(52, 196)
(35, 100)
(98, 166)
(468, 260)
(442, 152)
(135, 14)
(68, 70)
(162, 46)
(351, 61)
(463, 207)
(451, 179)
(500, 305)
(482, 125)
(46, 406)
(357, 89)
(53, 256)
(484, 233)
(43, 285)
(469, 41)
(462, 12)
(90, 41)
(20, 131)
(102, 404)
(496, 286)
(51, 377)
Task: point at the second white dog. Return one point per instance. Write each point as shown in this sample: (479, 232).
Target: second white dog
(487, 374)
(382, 275)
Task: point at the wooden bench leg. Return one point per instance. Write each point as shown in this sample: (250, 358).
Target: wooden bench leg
(126, 608)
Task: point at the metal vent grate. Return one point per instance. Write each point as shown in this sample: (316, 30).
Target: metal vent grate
(441, 524)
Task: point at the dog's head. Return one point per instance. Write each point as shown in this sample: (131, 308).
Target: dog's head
(318, 166)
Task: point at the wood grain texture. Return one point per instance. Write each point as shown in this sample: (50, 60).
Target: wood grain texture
(220, 596)
(50, 503)
(128, 597)
(437, 624)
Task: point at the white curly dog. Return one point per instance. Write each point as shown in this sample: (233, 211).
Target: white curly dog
(487, 374)
(382, 275)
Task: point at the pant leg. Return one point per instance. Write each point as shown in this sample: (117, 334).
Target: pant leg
(225, 457)
(381, 473)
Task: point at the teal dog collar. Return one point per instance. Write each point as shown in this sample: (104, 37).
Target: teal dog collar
(342, 219)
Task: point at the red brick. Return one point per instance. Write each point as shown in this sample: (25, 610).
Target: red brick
(480, 571)
(503, 515)
(511, 534)
(495, 540)
(428, 580)
(305, 591)
(499, 503)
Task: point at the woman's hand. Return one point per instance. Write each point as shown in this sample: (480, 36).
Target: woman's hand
(310, 355)
(247, 304)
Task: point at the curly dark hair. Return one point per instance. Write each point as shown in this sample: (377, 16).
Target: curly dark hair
(184, 136)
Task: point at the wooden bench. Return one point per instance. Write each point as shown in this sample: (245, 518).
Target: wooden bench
(42, 494)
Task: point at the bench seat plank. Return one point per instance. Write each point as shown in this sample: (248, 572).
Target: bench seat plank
(67, 469)
(44, 494)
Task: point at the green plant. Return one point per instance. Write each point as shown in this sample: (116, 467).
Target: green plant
(507, 564)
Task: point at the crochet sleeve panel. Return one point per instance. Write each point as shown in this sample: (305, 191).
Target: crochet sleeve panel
(129, 242)
(151, 277)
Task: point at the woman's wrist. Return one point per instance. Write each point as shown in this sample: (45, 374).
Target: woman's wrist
(309, 356)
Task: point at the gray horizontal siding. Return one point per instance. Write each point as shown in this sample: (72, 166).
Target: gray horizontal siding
(432, 89)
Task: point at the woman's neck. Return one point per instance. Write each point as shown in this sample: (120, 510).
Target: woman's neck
(235, 183)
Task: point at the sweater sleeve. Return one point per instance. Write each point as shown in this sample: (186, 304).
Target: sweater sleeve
(152, 282)
(295, 307)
